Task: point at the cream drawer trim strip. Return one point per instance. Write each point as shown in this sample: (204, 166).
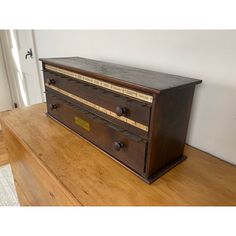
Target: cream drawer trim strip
(115, 88)
(102, 109)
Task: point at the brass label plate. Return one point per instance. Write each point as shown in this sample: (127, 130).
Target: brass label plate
(112, 87)
(82, 123)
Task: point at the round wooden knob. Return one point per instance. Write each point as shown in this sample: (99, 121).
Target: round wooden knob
(53, 106)
(118, 146)
(51, 81)
(121, 111)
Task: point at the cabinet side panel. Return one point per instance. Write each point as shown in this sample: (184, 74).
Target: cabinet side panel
(169, 128)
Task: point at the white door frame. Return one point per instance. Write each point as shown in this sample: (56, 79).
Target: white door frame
(12, 71)
(11, 75)
(40, 75)
(7, 95)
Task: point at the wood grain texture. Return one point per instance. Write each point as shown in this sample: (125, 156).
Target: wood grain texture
(35, 184)
(3, 152)
(168, 128)
(167, 112)
(21, 195)
(145, 79)
(92, 81)
(104, 110)
(94, 179)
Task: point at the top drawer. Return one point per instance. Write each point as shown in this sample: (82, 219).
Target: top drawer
(134, 112)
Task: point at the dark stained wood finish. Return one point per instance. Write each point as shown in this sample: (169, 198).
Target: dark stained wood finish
(100, 132)
(145, 80)
(150, 154)
(136, 110)
(168, 129)
(118, 123)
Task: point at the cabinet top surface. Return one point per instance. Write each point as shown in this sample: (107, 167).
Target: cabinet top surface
(120, 73)
(95, 179)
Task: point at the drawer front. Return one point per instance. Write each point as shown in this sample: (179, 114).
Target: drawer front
(122, 145)
(108, 117)
(121, 107)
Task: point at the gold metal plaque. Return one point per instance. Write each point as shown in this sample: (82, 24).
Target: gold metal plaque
(82, 123)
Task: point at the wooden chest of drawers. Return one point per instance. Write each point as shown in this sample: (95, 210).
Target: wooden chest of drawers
(138, 117)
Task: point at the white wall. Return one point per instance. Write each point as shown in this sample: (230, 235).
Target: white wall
(206, 55)
(5, 97)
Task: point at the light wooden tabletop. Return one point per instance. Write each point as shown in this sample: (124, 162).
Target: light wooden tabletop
(95, 179)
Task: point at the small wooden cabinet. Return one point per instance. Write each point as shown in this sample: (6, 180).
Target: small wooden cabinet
(139, 117)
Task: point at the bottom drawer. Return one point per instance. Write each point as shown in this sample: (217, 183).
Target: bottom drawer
(122, 145)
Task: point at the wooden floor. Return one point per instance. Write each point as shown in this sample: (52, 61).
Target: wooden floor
(200, 180)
